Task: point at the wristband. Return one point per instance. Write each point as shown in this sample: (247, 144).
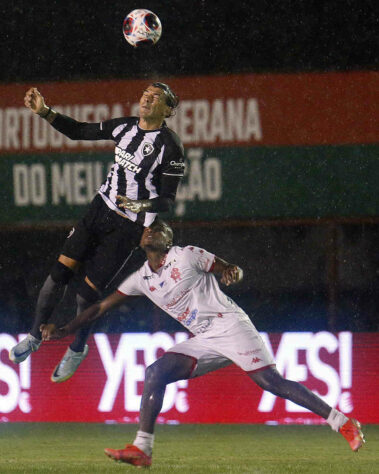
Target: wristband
(46, 114)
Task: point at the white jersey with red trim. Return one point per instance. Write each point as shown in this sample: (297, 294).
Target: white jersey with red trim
(184, 288)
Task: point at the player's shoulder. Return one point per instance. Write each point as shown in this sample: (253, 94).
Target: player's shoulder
(170, 137)
(193, 251)
(117, 124)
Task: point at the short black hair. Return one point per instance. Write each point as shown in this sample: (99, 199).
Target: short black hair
(172, 100)
(164, 224)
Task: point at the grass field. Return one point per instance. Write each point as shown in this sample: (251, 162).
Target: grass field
(78, 448)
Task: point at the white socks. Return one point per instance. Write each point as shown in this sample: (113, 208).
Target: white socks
(336, 419)
(144, 441)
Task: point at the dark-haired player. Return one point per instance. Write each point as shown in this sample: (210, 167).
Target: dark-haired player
(149, 164)
(181, 282)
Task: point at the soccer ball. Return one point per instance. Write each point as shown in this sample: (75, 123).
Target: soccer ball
(142, 27)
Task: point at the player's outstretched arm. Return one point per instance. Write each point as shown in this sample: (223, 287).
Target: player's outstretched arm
(68, 126)
(229, 272)
(96, 311)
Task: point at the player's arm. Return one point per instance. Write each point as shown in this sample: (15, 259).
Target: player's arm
(229, 272)
(91, 314)
(162, 203)
(71, 128)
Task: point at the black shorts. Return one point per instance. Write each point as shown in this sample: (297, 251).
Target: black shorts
(102, 240)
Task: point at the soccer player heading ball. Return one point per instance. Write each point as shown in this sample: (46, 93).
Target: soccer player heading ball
(181, 282)
(149, 164)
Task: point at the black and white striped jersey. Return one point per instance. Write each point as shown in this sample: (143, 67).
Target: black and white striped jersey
(143, 158)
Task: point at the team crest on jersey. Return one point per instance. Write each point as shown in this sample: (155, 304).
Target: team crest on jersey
(147, 149)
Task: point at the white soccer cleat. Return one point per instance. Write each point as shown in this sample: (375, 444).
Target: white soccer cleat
(24, 348)
(68, 365)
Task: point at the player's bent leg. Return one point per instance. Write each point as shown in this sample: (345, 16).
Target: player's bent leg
(78, 350)
(169, 368)
(87, 294)
(49, 296)
(270, 379)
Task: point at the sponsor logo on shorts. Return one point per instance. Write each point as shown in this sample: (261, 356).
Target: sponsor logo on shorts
(247, 353)
(255, 360)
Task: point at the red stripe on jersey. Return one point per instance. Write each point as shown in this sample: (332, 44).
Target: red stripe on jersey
(121, 293)
(212, 266)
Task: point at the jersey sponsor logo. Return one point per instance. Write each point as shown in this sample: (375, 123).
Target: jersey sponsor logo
(187, 317)
(124, 159)
(184, 315)
(169, 264)
(177, 164)
(147, 149)
(175, 300)
(255, 360)
(191, 317)
(175, 274)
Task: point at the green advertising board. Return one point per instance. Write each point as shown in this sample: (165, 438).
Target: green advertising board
(220, 183)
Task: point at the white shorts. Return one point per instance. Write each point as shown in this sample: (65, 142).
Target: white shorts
(240, 343)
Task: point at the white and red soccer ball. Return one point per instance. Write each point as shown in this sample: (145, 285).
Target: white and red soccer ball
(142, 28)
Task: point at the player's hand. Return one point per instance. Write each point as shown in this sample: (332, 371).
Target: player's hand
(132, 205)
(231, 274)
(51, 332)
(34, 101)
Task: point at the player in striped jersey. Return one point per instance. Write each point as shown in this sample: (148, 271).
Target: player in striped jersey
(149, 164)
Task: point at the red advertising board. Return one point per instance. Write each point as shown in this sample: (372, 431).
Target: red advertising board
(342, 368)
(234, 110)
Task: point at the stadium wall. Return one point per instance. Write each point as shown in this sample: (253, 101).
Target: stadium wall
(341, 367)
(258, 146)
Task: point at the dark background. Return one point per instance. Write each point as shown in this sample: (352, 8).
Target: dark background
(297, 277)
(66, 40)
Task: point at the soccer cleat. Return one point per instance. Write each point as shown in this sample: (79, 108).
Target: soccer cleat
(131, 455)
(68, 365)
(351, 431)
(24, 348)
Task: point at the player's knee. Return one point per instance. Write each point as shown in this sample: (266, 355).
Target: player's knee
(154, 375)
(269, 379)
(86, 293)
(61, 274)
(169, 368)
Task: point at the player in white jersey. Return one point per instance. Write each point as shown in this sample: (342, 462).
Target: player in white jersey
(142, 182)
(181, 281)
